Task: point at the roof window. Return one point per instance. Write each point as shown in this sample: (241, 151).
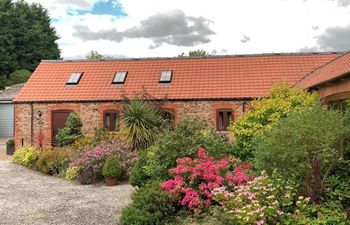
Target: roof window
(74, 78)
(166, 76)
(120, 77)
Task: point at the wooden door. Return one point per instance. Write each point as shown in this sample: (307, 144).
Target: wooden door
(59, 119)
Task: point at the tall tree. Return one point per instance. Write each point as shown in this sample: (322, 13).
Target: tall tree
(26, 37)
(194, 53)
(94, 55)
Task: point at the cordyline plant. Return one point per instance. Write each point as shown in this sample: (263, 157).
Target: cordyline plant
(141, 123)
(194, 179)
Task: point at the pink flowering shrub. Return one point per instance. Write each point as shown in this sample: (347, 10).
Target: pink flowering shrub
(95, 156)
(261, 201)
(195, 179)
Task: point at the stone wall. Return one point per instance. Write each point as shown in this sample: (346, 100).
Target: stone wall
(92, 115)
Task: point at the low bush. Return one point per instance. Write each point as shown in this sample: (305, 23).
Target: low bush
(112, 168)
(304, 146)
(182, 141)
(195, 179)
(72, 173)
(101, 134)
(213, 215)
(91, 158)
(26, 156)
(274, 200)
(150, 206)
(84, 141)
(53, 161)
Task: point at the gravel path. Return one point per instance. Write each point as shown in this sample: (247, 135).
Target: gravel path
(28, 197)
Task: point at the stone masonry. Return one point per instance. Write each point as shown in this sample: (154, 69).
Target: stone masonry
(91, 114)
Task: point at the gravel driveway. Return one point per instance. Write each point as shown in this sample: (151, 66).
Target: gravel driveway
(28, 197)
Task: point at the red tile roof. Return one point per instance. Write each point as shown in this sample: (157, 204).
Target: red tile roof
(229, 77)
(330, 71)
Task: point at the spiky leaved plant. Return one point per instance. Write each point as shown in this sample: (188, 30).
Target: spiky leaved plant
(141, 123)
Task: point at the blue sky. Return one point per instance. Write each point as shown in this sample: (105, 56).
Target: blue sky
(110, 7)
(165, 28)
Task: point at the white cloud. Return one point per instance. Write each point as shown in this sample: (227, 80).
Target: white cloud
(274, 25)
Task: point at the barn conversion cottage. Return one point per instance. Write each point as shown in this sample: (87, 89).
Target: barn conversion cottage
(217, 89)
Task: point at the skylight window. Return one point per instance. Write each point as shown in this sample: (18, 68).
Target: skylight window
(120, 77)
(166, 76)
(74, 78)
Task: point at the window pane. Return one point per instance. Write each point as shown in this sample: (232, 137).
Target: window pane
(120, 77)
(74, 78)
(115, 122)
(165, 76)
(221, 121)
(168, 115)
(108, 121)
(229, 120)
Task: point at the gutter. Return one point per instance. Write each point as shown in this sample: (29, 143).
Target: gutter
(31, 122)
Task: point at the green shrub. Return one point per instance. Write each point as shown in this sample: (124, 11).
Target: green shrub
(184, 140)
(150, 206)
(274, 200)
(71, 132)
(18, 77)
(312, 214)
(213, 215)
(54, 161)
(26, 156)
(141, 123)
(72, 173)
(304, 146)
(84, 141)
(138, 176)
(10, 143)
(112, 167)
(264, 113)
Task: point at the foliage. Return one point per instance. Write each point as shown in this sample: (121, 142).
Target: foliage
(72, 172)
(26, 37)
(94, 55)
(274, 200)
(40, 139)
(141, 123)
(194, 53)
(94, 156)
(305, 145)
(182, 141)
(261, 201)
(264, 113)
(26, 156)
(18, 77)
(101, 134)
(312, 214)
(112, 167)
(53, 161)
(194, 179)
(150, 206)
(338, 184)
(71, 132)
(213, 215)
(10, 143)
(83, 142)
